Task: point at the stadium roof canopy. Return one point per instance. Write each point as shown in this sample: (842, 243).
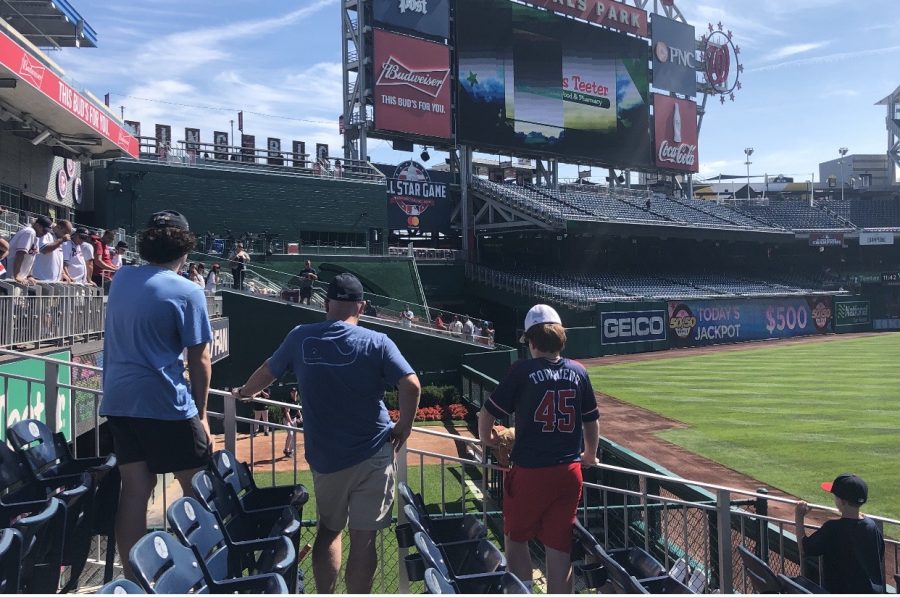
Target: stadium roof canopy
(49, 23)
(894, 96)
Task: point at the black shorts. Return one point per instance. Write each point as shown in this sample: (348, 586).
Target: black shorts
(166, 446)
(306, 292)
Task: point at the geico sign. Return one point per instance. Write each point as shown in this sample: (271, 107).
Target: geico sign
(617, 328)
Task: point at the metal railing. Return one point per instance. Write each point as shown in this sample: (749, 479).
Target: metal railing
(668, 516)
(49, 312)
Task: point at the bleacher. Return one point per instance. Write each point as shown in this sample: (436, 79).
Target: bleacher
(792, 214)
(581, 290)
(867, 213)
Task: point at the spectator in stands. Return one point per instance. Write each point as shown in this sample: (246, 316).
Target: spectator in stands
(4, 252)
(48, 263)
(261, 414)
(212, 278)
(197, 274)
(307, 276)
(487, 333)
(78, 257)
(469, 330)
(338, 169)
(342, 370)
(554, 407)
(456, 327)
(24, 248)
(406, 317)
(439, 323)
(292, 418)
(158, 421)
(851, 547)
(370, 309)
(239, 259)
(103, 266)
(118, 254)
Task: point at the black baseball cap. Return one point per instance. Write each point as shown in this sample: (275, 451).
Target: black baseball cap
(122, 244)
(345, 287)
(82, 232)
(44, 221)
(848, 487)
(168, 219)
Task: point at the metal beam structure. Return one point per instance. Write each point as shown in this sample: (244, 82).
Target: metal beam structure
(356, 63)
(892, 122)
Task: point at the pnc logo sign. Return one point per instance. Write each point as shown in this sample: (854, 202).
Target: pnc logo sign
(671, 55)
(632, 326)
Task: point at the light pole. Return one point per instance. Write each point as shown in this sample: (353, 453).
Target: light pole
(749, 152)
(843, 152)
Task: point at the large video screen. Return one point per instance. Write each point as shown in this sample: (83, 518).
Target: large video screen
(534, 82)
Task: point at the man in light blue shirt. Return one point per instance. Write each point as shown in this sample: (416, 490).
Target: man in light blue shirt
(158, 421)
(342, 370)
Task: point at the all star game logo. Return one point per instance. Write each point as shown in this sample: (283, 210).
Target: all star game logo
(411, 190)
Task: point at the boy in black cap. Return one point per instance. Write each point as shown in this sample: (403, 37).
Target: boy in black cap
(852, 547)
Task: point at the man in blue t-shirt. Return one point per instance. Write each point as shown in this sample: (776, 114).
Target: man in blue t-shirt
(555, 408)
(158, 421)
(341, 371)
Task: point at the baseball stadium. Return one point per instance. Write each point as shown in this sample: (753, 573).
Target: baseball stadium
(739, 332)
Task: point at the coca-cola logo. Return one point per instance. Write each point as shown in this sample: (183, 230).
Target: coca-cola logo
(428, 81)
(420, 6)
(32, 71)
(682, 154)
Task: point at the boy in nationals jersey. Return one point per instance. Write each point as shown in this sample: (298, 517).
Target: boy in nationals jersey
(554, 407)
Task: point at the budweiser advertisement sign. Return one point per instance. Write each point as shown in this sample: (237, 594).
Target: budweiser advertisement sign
(675, 124)
(412, 85)
(33, 72)
(615, 15)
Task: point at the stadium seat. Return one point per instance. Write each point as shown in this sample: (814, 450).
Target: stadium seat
(679, 570)
(121, 586)
(761, 576)
(697, 582)
(638, 562)
(239, 526)
(508, 583)
(50, 460)
(799, 585)
(472, 566)
(41, 525)
(162, 565)
(10, 560)
(444, 530)
(251, 497)
(23, 493)
(198, 528)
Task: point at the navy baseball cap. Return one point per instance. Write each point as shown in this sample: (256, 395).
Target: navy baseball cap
(80, 231)
(44, 221)
(848, 487)
(345, 287)
(168, 219)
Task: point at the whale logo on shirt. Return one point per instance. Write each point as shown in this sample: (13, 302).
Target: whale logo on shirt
(323, 351)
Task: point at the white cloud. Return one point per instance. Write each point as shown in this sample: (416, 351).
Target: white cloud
(795, 49)
(836, 57)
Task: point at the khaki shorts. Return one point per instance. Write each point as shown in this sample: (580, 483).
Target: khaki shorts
(362, 495)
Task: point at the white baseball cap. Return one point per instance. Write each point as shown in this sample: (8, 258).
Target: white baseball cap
(539, 314)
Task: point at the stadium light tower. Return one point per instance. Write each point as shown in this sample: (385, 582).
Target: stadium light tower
(749, 152)
(843, 152)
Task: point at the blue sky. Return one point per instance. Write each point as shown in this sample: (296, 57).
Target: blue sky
(814, 70)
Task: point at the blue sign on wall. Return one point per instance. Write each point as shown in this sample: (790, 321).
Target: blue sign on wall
(625, 327)
(699, 322)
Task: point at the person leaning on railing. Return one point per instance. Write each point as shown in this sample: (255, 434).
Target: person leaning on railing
(158, 420)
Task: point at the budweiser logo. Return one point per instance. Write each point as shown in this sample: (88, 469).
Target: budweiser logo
(124, 141)
(32, 70)
(428, 81)
(683, 154)
(420, 6)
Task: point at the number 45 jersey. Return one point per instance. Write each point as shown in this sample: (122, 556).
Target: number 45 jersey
(549, 401)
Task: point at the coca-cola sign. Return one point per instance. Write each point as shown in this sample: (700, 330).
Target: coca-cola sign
(675, 124)
(412, 89)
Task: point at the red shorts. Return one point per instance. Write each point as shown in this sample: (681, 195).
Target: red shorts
(542, 503)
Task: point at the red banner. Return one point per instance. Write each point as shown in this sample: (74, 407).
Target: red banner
(675, 123)
(32, 71)
(615, 15)
(412, 85)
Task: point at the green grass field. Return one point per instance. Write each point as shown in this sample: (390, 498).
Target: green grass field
(791, 416)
